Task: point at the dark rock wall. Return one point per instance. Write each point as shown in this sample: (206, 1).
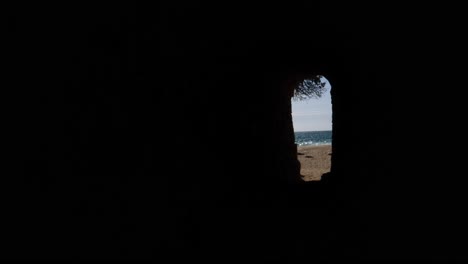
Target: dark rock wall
(170, 134)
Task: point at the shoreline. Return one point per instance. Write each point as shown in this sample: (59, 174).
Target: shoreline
(315, 161)
(314, 145)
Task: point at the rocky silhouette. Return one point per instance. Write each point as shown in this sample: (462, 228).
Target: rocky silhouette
(122, 120)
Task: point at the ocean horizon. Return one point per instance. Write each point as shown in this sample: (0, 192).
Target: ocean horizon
(313, 138)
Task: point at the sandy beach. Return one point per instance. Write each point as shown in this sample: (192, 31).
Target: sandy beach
(315, 161)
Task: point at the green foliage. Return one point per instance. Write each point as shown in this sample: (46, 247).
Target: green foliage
(310, 88)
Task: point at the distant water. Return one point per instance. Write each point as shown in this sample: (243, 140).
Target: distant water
(314, 138)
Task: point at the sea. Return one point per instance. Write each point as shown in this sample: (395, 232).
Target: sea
(313, 138)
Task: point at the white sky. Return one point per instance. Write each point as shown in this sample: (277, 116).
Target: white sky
(313, 114)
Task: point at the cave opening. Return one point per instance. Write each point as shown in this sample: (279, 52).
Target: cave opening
(311, 112)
